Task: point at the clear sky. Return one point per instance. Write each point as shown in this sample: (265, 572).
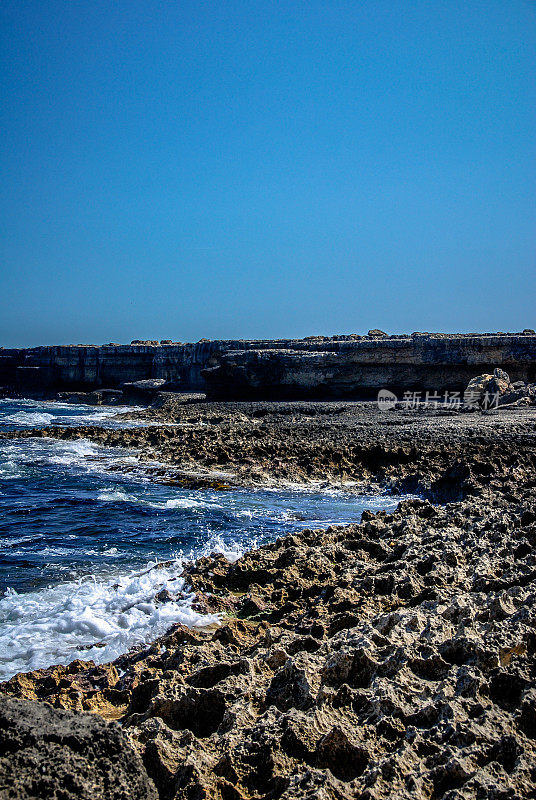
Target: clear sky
(266, 169)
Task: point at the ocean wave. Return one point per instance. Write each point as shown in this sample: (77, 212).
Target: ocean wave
(186, 502)
(98, 618)
(266, 513)
(37, 457)
(232, 550)
(103, 616)
(9, 470)
(117, 496)
(13, 541)
(73, 453)
(120, 496)
(19, 455)
(37, 413)
(30, 418)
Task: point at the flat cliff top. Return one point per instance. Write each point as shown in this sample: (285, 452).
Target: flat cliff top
(143, 346)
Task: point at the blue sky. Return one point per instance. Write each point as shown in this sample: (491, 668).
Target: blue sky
(266, 169)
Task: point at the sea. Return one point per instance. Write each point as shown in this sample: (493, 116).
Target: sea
(88, 540)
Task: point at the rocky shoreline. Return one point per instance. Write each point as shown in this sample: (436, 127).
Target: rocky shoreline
(391, 658)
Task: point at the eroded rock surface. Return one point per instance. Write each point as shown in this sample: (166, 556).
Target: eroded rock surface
(391, 658)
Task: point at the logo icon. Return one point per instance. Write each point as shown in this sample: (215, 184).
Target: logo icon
(386, 400)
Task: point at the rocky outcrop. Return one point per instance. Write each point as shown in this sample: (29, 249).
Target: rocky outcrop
(255, 443)
(391, 658)
(311, 367)
(488, 391)
(51, 753)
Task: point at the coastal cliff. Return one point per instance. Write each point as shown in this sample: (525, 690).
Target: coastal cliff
(312, 367)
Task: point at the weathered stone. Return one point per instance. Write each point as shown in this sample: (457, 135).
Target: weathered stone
(375, 332)
(476, 389)
(46, 753)
(289, 688)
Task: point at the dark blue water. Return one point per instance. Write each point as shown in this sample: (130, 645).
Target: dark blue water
(85, 547)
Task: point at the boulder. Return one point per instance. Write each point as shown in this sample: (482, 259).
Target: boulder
(524, 394)
(52, 753)
(475, 390)
(375, 332)
(487, 389)
(145, 390)
(171, 400)
(500, 374)
(111, 396)
(73, 397)
(500, 383)
(103, 397)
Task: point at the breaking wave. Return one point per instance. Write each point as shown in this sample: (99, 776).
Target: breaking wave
(96, 618)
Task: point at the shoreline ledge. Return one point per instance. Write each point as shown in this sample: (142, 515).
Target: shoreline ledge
(394, 657)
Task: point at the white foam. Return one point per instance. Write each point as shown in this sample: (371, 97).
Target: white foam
(12, 541)
(73, 453)
(120, 496)
(186, 502)
(21, 457)
(231, 550)
(64, 622)
(29, 418)
(117, 496)
(268, 513)
(46, 412)
(9, 470)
